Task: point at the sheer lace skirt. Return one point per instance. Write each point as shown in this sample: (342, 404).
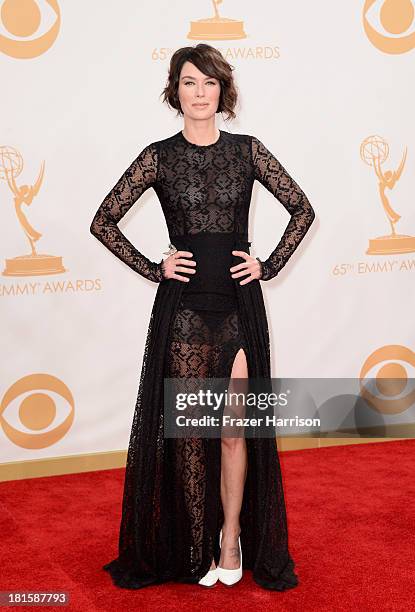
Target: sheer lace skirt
(172, 511)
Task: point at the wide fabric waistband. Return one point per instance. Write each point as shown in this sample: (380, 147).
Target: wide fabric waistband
(234, 239)
(212, 287)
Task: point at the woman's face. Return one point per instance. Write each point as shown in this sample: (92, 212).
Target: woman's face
(198, 93)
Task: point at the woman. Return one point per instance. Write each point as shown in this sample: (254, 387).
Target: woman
(192, 505)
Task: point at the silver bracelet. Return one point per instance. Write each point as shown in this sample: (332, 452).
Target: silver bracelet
(171, 251)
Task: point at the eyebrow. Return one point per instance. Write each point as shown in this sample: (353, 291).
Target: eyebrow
(190, 77)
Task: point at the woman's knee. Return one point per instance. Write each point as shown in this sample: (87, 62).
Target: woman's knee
(232, 444)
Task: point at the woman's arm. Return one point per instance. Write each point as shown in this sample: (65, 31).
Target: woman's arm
(139, 176)
(276, 179)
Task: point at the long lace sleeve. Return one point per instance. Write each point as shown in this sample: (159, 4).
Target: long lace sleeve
(139, 176)
(270, 172)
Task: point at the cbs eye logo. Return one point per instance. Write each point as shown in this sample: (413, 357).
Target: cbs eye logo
(28, 28)
(390, 25)
(41, 405)
(390, 388)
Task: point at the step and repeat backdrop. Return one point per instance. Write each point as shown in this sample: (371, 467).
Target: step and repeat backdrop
(327, 87)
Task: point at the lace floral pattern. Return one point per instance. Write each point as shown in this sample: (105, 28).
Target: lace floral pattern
(203, 189)
(171, 512)
(139, 176)
(272, 174)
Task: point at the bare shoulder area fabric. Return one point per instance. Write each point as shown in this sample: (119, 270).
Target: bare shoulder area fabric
(171, 509)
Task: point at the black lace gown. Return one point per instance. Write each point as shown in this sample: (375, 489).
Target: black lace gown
(171, 509)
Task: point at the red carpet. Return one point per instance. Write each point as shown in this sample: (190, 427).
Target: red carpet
(351, 525)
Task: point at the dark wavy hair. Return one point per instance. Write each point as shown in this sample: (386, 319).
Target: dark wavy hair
(209, 61)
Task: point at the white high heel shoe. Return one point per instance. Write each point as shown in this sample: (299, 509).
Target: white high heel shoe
(210, 578)
(230, 576)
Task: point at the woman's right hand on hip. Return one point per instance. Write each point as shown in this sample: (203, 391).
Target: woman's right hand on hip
(177, 263)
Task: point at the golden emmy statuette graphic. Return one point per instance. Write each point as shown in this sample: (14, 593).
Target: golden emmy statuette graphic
(33, 264)
(217, 27)
(374, 151)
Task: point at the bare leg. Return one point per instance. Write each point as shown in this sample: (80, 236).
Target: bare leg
(233, 475)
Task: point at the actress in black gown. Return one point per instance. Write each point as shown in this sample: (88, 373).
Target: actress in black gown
(208, 320)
